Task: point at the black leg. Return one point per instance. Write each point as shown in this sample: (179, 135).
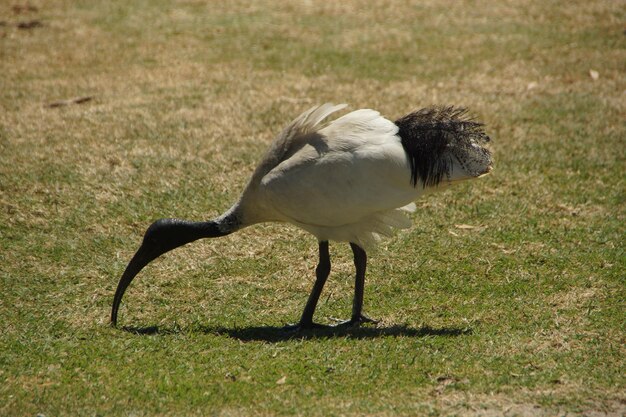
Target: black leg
(321, 272)
(360, 264)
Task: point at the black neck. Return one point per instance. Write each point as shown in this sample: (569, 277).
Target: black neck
(169, 234)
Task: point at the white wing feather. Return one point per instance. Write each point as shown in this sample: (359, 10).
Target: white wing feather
(348, 181)
(310, 119)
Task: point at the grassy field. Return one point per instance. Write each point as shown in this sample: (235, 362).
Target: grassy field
(507, 297)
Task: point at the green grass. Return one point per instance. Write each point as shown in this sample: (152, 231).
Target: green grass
(521, 315)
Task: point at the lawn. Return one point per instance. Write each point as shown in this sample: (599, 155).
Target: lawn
(506, 297)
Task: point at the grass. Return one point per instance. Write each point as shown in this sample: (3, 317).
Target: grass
(521, 314)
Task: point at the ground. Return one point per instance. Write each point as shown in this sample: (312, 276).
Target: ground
(506, 297)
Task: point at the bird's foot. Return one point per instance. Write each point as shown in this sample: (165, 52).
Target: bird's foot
(356, 321)
(298, 327)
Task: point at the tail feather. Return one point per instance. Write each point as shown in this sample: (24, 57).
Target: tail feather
(429, 133)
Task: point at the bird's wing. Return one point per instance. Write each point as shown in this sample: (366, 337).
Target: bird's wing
(345, 173)
(364, 126)
(309, 120)
(292, 138)
(301, 128)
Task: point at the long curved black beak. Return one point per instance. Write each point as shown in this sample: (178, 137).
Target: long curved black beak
(144, 255)
(161, 237)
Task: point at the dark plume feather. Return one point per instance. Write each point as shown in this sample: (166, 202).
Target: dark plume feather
(433, 135)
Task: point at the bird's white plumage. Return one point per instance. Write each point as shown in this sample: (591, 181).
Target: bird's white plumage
(347, 181)
(352, 180)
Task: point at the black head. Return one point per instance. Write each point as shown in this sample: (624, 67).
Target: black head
(166, 234)
(161, 237)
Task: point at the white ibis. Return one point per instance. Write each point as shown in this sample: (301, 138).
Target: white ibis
(351, 180)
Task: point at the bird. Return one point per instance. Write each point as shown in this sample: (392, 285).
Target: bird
(353, 180)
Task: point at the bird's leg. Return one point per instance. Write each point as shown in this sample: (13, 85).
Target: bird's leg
(321, 272)
(360, 263)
